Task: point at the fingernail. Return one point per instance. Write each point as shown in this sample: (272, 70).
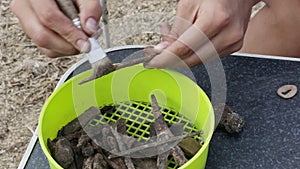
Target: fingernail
(92, 25)
(83, 45)
(162, 45)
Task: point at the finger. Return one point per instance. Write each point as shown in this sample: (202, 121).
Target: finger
(205, 27)
(192, 40)
(187, 9)
(90, 13)
(208, 53)
(166, 40)
(186, 13)
(189, 42)
(51, 53)
(179, 26)
(231, 49)
(212, 18)
(165, 29)
(39, 34)
(182, 22)
(229, 39)
(50, 16)
(166, 59)
(203, 55)
(161, 46)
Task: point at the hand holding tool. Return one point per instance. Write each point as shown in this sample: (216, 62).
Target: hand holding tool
(101, 64)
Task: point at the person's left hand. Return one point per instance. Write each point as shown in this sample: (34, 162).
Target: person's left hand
(203, 30)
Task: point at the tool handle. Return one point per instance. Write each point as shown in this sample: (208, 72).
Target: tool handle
(68, 8)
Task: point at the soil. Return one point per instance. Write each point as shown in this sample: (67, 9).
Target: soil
(28, 77)
(79, 143)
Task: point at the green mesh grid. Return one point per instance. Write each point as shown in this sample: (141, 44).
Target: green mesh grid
(138, 116)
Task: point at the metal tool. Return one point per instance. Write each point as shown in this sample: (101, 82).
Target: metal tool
(105, 27)
(101, 64)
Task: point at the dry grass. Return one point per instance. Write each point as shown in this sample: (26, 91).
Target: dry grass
(27, 79)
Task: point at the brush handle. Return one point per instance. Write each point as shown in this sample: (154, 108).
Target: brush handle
(69, 9)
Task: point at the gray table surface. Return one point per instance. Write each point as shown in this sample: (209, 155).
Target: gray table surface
(271, 136)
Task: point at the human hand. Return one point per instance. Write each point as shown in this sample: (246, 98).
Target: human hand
(54, 33)
(203, 30)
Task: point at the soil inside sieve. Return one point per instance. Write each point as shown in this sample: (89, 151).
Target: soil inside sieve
(74, 148)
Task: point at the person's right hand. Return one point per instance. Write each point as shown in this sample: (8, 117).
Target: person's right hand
(54, 33)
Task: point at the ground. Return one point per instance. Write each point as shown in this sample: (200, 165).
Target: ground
(28, 77)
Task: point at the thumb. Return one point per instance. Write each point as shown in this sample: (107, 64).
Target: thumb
(170, 57)
(89, 12)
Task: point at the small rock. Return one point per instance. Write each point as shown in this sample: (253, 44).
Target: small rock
(87, 150)
(99, 162)
(145, 163)
(231, 121)
(88, 163)
(189, 146)
(63, 153)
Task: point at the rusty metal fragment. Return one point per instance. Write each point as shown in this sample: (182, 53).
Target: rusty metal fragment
(100, 70)
(164, 133)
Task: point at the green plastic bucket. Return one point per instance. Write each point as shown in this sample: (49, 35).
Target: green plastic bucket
(174, 91)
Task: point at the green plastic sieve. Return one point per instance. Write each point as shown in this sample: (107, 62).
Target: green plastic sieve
(129, 89)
